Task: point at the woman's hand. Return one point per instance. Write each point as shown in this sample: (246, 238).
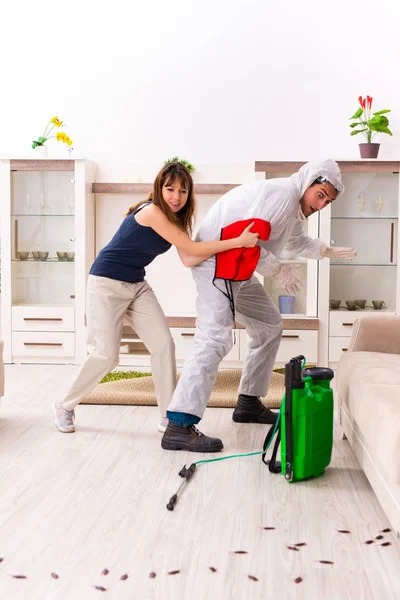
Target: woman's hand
(248, 239)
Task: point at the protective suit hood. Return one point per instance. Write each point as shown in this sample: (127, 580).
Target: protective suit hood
(328, 169)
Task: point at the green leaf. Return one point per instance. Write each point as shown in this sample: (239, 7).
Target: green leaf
(381, 112)
(41, 140)
(34, 144)
(358, 131)
(354, 124)
(357, 114)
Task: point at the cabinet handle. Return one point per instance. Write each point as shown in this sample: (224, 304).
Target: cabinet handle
(42, 319)
(42, 344)
(391, 241)
(348, 324)
(187, 334)
(292, 337)
(344, 349)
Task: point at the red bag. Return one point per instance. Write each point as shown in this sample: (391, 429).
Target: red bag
(239, 264)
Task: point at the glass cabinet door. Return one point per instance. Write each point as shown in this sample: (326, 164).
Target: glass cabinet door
(366, 218)
(42, 237)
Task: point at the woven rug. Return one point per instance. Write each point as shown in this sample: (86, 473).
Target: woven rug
(140, 391)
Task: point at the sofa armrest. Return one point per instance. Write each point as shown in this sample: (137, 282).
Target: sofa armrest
(376, 334)
(1, 369)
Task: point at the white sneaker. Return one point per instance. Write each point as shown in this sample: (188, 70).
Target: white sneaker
(163, 425)
(63, 418)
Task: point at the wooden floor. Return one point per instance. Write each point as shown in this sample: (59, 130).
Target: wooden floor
(76, 504)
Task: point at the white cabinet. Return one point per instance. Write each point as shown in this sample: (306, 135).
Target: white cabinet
(366, 218)
(47, 248)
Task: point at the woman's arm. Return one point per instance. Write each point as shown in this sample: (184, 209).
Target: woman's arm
(190, 261)
(152, 216)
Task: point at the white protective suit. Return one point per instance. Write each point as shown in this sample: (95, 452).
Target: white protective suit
(276, 201)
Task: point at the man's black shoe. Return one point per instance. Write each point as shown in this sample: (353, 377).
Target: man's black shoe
(250, 409)
(189, 438)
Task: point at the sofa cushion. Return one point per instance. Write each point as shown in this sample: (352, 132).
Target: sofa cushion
(369, 384)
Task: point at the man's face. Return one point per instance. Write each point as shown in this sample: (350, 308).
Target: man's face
(317, 197)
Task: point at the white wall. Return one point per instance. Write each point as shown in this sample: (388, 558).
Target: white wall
(216, 81)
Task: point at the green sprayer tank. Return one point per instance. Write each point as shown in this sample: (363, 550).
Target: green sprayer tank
(306, 422)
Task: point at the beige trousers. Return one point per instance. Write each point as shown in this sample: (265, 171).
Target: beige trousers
(108, 303)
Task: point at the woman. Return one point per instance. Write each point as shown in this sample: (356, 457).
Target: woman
(117, 289)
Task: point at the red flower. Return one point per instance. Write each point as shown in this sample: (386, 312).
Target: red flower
(369, 100)
(362, 102)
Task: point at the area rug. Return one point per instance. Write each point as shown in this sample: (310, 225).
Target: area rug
(140, 391)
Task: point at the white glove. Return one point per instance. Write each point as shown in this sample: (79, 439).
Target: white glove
(338, 253)
(288, 281)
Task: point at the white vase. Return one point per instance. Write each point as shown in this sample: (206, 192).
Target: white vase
(41, 151)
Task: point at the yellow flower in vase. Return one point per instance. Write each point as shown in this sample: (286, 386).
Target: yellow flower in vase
(60, 136)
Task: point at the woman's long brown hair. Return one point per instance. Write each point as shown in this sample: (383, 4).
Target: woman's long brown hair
(169, 174)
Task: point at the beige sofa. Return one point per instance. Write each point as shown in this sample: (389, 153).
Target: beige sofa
(1, 370)
(368, 385)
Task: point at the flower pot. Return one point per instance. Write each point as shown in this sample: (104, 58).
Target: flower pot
(369, 150)
(41, 151)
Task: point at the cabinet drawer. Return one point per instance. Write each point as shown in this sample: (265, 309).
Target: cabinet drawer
(43, 318)
(293, 343)
(43, 343)
(183, 339)
(341, 322)
(338, 345)
(298, 341)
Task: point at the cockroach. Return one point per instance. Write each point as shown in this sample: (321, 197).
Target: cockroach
(105, 572)
(343, 531)
(124, 577)
(55, 576)
(293, 548)
(369, 542)
(240, 552)
(268, 528)
(213, 569)
(152, 575)
(387, 530)
(300, 544)
(326, 562)
(19, 576)
(252, 577)
(379, 537)
(386, 544)
(298, 580)
(174, 572)
(1, 559)
(100, 588)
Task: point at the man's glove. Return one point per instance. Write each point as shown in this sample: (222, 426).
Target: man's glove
(338, 253)
(287, 280)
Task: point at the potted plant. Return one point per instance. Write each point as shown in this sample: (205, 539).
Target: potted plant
(369, 124)
(39, 144)
(183, 161)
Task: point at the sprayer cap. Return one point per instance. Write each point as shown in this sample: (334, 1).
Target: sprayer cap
(318, 373)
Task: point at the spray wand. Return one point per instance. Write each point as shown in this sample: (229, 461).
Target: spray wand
(187, 473)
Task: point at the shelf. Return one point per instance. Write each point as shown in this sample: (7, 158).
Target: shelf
(146, 188)
(37, 260)
(367, 309)
(41, 215)
(346, 166)
(364, 218)
(350, 264)
(43, 164)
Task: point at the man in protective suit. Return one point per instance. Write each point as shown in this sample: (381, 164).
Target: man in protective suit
(285, 204)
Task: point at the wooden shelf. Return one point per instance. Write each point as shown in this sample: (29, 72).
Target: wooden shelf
(288, 323)
(42, 165)
(346, 166)
(145, 188)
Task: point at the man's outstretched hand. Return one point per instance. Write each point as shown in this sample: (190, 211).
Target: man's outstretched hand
(339, 253)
